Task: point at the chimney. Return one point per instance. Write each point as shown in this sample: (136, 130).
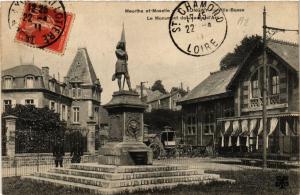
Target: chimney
(45, 73)
(181, 85)
(188, 89)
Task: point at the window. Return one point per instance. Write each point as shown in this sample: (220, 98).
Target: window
(52, 86)
(191, 125)
(76, 114)
(52, 105)
(8, 82)
(209, 120)
(63, 112)
(29, 102)
(7, 104)
(29, 82)
(274, 83)
(73, 92)
(78, 92)
(254, 86)
(62, 90)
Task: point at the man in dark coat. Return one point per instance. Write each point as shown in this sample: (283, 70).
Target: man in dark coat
(58, 153)
(76, 153)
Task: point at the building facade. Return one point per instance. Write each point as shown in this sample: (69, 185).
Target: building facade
(77, 98)
(236, 116)
(165, 101)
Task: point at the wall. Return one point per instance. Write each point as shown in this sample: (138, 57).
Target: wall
(242, 89)
(293, 92)
(19, 97)
(219, 108)
(165, 103)
(31, 159)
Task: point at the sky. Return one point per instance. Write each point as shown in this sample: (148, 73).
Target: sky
(152, 54)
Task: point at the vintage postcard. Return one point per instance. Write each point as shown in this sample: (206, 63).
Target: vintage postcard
(149, 97)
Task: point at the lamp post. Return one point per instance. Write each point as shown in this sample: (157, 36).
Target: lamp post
(271, 31)
(264, 114)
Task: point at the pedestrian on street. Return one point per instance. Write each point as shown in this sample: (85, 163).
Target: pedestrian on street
(76, 153)
(58, 153)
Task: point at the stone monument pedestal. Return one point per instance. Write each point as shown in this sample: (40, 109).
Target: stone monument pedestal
(125, 138)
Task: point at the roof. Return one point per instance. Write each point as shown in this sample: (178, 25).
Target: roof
(22, 70)
(161, 96)
(214, 84)
(289, 52)
(81, 69)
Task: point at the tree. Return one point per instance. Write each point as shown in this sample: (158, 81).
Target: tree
(180, 90)
(158, 86)
(240, 52)
(37, 129)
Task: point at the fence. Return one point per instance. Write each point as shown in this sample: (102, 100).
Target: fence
(21, 165)
(33, 142)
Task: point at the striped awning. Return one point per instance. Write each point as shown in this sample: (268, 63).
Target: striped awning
(253, 124)
(235, 128)
(227, 130)
(273, 125)
(260, 130)
(245, 129)
(284, 114)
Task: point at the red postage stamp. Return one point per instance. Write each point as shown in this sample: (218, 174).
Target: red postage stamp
(44, 25)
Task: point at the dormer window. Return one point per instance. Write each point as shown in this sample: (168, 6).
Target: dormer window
(51, 86)
(29, 81)
(8, 82)
(73, 92)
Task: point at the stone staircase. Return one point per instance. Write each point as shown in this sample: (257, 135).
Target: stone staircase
(110, 179)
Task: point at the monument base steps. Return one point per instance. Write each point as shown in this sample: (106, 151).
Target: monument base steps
(110, 179)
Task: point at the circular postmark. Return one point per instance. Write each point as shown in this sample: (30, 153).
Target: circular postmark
(15, 14)
(40, 24)
(198, 28)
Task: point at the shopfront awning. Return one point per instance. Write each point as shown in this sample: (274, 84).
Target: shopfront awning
(253, 124)
(260, 130)
(279, 115)
(235, 128)
(245, 129)
(227, 130)
(273, 125)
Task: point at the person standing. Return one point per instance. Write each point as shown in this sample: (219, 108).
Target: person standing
(58, 153)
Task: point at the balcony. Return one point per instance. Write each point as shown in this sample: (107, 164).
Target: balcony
(273, 101)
